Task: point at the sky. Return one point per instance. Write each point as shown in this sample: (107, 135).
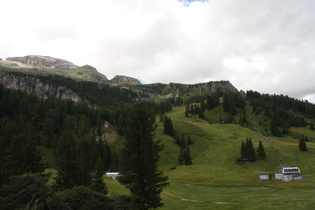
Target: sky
(262, 45)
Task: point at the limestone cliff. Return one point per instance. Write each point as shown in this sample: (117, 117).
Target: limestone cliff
(89, 73)
(44, 62)
(119, 80)
(33, 85)
(217, 86)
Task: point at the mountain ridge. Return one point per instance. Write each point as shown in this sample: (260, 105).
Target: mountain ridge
(25, 73)
(51, 65)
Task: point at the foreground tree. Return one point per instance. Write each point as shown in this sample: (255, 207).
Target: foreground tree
(139, 158)
(28, 191)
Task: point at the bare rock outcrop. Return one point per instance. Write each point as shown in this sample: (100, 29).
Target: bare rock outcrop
(31, 84)
(124, 80)
(89, 73)
(217, 86)
(45, 62)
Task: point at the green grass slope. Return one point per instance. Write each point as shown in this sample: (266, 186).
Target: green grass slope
(216, 181)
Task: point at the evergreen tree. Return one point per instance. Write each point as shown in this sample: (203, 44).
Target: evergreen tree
(302, 145)
(67, 156)
(243, 150)
(275, 122)
(182, 142)
(187, 156)
(202, 106)
(261, 151)
(22, 155)
(27, 191)
(189, 140)
(312, 126)
(168, 126)
(247, 150)
(139, 157)
(181, 158)
(187, 111)
(251, 154)
(209, 102)
(184, 157)
(98, 184)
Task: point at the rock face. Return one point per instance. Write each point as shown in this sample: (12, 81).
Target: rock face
(61, 67)
(31, 84)
(89, 73)
(217, 86)
(119, 80)
(44, 62)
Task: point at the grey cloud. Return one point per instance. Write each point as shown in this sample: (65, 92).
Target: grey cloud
(263, 45)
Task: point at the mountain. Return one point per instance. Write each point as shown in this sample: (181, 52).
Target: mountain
(38, 74)
(44, 62)
(210, 122)
(38, 64)
(119, 79)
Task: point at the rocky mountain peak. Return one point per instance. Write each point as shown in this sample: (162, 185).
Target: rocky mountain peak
(44, 62)
(119, 79)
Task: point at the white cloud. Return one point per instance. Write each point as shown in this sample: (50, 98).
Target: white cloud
(263, 45)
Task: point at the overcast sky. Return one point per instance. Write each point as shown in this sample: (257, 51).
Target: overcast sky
(263, 45)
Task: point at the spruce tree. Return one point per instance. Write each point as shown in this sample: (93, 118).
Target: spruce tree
(243, 150)
(312, 126)
(187, 156)
(139, 158)
(98, 180)
(302, 145)
(181, 158)
(251, 155)
(261, 151)
(189, 140)
(168, 126)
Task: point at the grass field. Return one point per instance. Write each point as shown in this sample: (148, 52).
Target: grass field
(216, 181)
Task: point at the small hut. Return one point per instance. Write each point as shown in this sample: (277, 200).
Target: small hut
(287, 173)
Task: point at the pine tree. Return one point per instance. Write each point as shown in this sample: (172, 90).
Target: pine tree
(139, 158)
(168, 126)
(22, 156)
(261, 151)
(189, 140)
(209, 102)
(247, 150)
(302, 145)
(98, 180)
(67, 155)
(243, 150)
(187, 111)
(251, 155)
(181, 158)
(187, 156)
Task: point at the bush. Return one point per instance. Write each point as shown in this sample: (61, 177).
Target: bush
(81, 197)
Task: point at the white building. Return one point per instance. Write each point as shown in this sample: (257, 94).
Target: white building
(113, 175)
(287, 173)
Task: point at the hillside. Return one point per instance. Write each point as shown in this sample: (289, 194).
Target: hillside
(216, 181)
(75, 124)
(64, 83)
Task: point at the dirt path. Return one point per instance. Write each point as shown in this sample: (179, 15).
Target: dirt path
(183, 199)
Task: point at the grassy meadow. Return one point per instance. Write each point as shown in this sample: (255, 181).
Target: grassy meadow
(216, 181)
